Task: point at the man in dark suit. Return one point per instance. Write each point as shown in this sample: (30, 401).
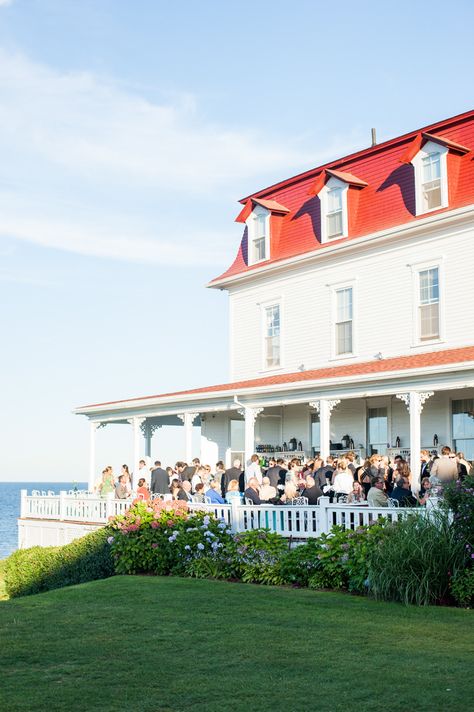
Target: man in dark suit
(252, 491)
(190, 470)
(326, 471)
(233, 473)
(273, 473)
(282, 473)
(159, 479)
(425, 466)
(402, 493)
(312, 491)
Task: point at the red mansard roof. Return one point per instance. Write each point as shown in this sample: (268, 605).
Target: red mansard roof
(398, 363)
(383, 183)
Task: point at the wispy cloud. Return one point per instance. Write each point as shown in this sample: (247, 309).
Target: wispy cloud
(91, 167)
(4, 3)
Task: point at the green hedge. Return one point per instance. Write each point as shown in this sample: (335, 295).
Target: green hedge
(40, 568)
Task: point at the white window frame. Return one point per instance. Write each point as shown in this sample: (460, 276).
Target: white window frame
(436, 263)
(335, 288)
(323, 197)
(417, 161)
(278, 302)
(251, 222)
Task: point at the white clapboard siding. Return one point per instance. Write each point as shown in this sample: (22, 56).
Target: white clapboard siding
(382, 278)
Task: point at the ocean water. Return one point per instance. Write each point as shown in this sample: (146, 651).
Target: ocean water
(10, 508)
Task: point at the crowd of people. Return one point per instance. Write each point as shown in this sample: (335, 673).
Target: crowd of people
(377, 481)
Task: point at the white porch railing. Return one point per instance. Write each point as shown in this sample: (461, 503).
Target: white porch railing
(73, 508)
(288, 521)
(303, 522)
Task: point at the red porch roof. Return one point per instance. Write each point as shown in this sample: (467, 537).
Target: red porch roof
(400, 363)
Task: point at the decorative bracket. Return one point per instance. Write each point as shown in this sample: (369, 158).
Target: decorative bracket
(188, 417)
(250, 413)
(148, 428)
(331, 405)
(423, 397)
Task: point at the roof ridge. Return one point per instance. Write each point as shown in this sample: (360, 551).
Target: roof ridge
(444, 123)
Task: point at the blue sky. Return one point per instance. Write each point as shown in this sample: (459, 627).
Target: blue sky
(128, 131)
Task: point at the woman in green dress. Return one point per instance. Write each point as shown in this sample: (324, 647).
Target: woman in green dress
(107, 484)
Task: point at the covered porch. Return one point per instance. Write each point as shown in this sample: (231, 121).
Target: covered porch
(393, 412)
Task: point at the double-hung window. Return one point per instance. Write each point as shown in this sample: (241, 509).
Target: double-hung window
(344, 321)
(428, 308)
(431, 176)
(259, 237)
(334, 214)
(258, 230)
(272, 324)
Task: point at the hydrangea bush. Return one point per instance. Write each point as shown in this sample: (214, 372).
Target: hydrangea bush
(166, 538)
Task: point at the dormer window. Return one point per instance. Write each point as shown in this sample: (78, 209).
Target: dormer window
(334, 213)
(260, 237)
(258, 224)
(332, 187)
(333, 198)
(431, 177)
(431, 186)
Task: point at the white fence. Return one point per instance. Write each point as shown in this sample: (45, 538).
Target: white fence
(301, 522)
(73, 508)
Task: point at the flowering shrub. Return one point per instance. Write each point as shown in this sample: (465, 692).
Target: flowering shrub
(458, 498)
(166, 538)
(258, 556)
(342, 557)
(300, 563)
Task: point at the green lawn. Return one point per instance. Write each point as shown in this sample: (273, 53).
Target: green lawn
(170, 644)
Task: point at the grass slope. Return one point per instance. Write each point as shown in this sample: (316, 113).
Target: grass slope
(168, 644)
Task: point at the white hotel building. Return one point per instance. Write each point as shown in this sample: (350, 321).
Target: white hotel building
(351, 312)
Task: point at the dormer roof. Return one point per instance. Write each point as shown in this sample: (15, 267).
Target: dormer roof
(343, 176)
(384, 197)
(270, 205)
(424, 137)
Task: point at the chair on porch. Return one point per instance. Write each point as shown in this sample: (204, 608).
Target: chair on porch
(248, 501)
(392, 502)
(299, 501)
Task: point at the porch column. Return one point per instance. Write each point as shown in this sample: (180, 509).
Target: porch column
(414, 402)
(188, 420)
(324, 408)
(136, 422)
(92, 473)
(250, 415)
(148, 430)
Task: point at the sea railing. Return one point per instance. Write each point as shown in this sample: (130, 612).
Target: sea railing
(78, 507)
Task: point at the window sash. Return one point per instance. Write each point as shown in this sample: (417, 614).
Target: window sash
(429, 285)
(429, 321)
(334, 223)
(344, 338)
(259, 249)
